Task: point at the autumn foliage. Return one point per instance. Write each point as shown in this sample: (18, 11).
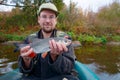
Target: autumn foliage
(105, 22)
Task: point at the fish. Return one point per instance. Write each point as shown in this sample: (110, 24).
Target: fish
(42, 45)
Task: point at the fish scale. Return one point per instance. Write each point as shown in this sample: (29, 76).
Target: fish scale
(42, 45)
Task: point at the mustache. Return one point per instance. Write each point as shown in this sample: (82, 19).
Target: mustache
(47, 23)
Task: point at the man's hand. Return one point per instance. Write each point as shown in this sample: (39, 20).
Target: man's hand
(25, 52)
(57, 48)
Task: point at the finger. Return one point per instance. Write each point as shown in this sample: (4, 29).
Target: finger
(59, 46)
(50, 44)
(64, 47)
(53, 47)
(66, 37)
(25, 49)
(54, 44)
(27, 53)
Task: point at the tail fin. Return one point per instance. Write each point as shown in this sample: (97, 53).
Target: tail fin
(17, 47)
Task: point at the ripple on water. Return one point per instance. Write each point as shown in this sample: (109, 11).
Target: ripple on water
(6, 66)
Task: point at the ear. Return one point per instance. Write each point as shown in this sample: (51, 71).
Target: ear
(56, 20)
(38, 19)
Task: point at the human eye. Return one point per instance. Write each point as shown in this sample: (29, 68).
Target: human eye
(52, 17)
(44, 16)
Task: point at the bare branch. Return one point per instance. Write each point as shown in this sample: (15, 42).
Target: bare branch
(18, 6)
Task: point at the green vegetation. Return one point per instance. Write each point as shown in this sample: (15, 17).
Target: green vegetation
(88, 39)
(15, 37)
(116, 38)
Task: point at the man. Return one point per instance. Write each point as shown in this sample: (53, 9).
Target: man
(56, 64)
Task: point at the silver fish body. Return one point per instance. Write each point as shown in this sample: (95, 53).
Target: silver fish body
(42, 45)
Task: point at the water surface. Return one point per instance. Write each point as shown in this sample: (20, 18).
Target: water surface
(103, 60)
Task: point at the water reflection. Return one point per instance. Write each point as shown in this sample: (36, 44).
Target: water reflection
(103, 60)
(6, 67)
(3, 60)
(118, 65)
(8, 59)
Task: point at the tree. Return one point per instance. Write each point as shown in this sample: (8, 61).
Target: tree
(27, 11)
(109, 18)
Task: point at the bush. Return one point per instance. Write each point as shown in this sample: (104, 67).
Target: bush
(116, 38)
(11, 37)
(91, 39)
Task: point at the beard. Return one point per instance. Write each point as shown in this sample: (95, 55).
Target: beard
(47, 27)
(47, 30)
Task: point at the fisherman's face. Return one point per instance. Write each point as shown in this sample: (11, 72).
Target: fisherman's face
(47, 20)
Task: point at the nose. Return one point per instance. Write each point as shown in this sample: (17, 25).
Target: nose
(47, 19)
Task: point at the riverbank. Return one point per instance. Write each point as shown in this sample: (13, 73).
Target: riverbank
(112, 43)
(82, 39)
(76, 43)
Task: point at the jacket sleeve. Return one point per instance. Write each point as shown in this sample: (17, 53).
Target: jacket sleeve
(64, 63)
(22, 67)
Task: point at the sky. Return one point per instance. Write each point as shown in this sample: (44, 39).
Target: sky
(93, 5)
(6, 8)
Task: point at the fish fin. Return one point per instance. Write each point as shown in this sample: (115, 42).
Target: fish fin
(44, 54)
(32, 55)
(17, 47)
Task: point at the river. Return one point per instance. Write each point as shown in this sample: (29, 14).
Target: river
(103, 60)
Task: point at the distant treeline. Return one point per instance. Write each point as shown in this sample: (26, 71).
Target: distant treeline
(71, 19)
